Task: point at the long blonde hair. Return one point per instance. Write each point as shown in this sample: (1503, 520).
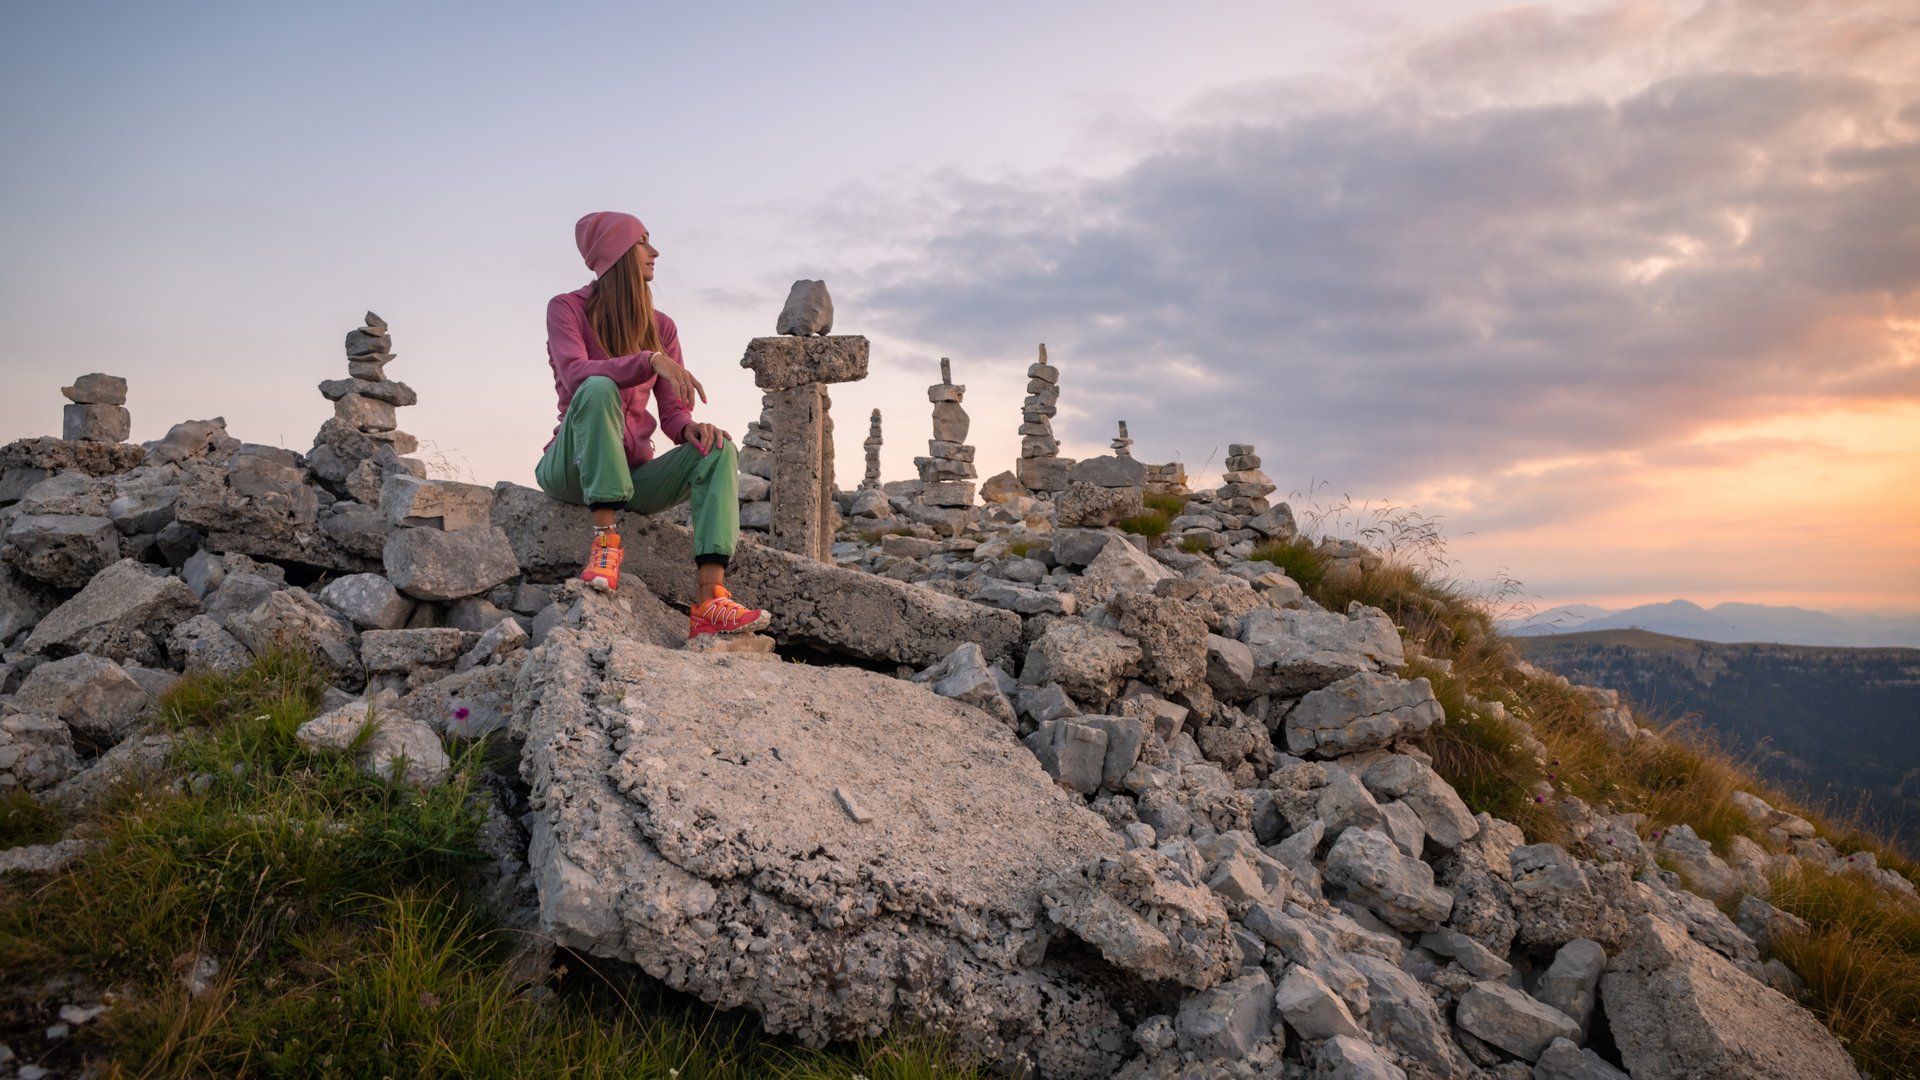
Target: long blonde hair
(620, 311)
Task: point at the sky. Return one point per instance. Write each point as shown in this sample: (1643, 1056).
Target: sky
(1625, 297)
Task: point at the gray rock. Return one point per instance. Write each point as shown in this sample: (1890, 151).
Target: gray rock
(808, 310)
(263, 506)
(1344, 803)
(1361, 712)
(475, 614)
(662, 839)
(1477, 959)
(1445, 818)
(201, 645)
(1404, 826)
(1172, 636)
(71, 493)
(1120, 567)
(502, 639)
(964, 676)
(1085, 506)
(400, 748)
(783, 363)
(1109, 471)
(1276, 524)
(190, 441)
(64, 550)
(290, 618)
(1570, 981)
(404, 651)
(1076, 548)
(1090, 663)
(1047, 701)
(443, 504)
(144, 511)
(1311, 1009)
(1345, 1057)
(1402, 1015)
(95, 423)
(22, 603)
(369, 601)
(1693, 858)
(43, 859)
(1107, 904)
(1677, 1009)
(123, 614)
(1768, 925)
(1227, 1021)
(1072, 753)
(1512, 1020)
(1398, 889)
(1010, 597)
(1044, 473)
(36, 752)
(1297, 652)
(1126, 736)
(1565, 1061)
(97, 389)
(1554, 901)
(94, 697)
(431, 564)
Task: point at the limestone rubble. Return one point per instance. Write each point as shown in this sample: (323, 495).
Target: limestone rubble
(1088, 805)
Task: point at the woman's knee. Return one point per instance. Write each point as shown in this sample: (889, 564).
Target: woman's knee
(596, 387)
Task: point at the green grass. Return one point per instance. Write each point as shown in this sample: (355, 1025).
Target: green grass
(25, 820)
(1151, 523)
(1860, 963)
(1170, 505)
(1019, 548)
(1295, 558)
(1194, 545)
(337, 907)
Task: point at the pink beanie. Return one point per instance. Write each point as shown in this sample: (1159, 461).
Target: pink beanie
(605, 236)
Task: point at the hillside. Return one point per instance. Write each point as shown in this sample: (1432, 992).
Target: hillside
(1837, 724)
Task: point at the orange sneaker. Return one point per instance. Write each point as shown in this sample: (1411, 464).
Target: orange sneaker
(603, 562)
(722, 615)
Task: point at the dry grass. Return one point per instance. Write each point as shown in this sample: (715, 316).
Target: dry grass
(1860, 963)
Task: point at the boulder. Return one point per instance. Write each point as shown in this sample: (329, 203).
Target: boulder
(808, 310)
(1144, 916)
(1120, 567)
(190, 441)
(96, 389)
(1345, 1057)
(63, 550)
(1084, 506)
(1228, 1021)
(1074, 754)
(94, 696)
(1091, 663)
(201, 645)
(1398, 889)
(829, 607)
(1402, 1014)
(262, 505)
(1311, 1009)
(718, 857)
(1677, 1009)
(1444, 817)
(1512, 1020)
(1570, 982)
(23, 602)
(1297, 652)
(1563, 1060)
(1362, 712)
(369, 601)
(965, 676)
(291, 619)
(434, 564)
(123, 614)
(1172, 636)
(36, 752)
(1108, 471)
(401, 748)
(414, 501)
(404, 651)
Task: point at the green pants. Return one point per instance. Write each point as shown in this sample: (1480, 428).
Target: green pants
(587, 465)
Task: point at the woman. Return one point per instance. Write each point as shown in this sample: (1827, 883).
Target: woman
(611, 352)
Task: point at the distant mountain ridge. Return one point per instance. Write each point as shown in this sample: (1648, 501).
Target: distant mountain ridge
(1830, 723)
(1729, 623)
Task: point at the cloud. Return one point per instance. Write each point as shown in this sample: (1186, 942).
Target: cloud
(1392, 291)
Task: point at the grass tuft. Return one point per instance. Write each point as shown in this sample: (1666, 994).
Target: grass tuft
(25, 820)
(1194, 545)
(1151, 523)
(1860, 963)
(1295, 558)
(1170, 505)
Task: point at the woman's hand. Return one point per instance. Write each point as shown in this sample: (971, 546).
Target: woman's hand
(705, 437)
(684, 385)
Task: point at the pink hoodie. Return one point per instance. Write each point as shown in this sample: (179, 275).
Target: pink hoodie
(574, 353)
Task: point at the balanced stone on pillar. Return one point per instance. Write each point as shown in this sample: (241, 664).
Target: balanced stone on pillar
(796, 371)
(948, 469)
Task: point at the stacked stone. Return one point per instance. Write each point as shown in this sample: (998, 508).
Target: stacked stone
(947, 471)
(794, 370)
(1041, 467)
(1168, 479)
(1244, 488)
(756, 448)
(1122, 444)
(872, 480)
(356, 450)
(98, 412)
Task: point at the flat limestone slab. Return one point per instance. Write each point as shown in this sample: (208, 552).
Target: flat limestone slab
(701, 816)
(782, 363)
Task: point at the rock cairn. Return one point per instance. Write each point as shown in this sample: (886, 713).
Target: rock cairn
(1041, 467)
(947, 471)
(98, 412)
(872, 445)
(1168, 479)
(756, 447)
(1244, 488)
(795, 371)
(1122, 443)
(357, 449)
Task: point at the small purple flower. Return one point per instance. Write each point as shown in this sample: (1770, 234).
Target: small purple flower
(1539, 798)
(1609, 841)
(461, 713)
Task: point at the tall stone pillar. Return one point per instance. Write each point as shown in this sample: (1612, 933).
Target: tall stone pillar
(872, 480)
(797, 371)
(947, 471)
